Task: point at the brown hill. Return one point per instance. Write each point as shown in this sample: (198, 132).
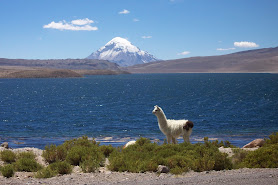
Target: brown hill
(37, 73)
(62, 68)
(88, 64)
(259, 60)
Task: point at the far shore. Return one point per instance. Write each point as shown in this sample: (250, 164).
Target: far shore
(30, 72)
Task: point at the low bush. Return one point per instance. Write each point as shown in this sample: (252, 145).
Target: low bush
(26, 155)
(54, 153)
(90, 165)
(107, 150)
(7, 170)
(238, 157)
(27, 165)
(225, 144)
(61, 167)
(46, 173)
(264, 157)
(82, 151)
(8, 156)
(146, 156)
(273, 139)
(82, 141)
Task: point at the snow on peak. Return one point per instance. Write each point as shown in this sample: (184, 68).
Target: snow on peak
(123, 44)
(122, 52)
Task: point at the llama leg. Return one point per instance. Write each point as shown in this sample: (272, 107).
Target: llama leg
(186, 138)
(174, 140)
(169, 139)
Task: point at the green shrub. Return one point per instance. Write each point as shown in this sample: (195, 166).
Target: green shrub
(264, 157)
(82, 151)
(238, 157)
(207, 157)
(61, 167)
(54, 153)
(7, 171)
(90, 165)
(178, 164)
(273, 139)
(76, 154)
(83, 141)
(26, 155)
(146, 156)
(225, 144)
(8, 156)
(68, 150)
(79, 154)
(27, 165)
(46, 173)
(107, 150)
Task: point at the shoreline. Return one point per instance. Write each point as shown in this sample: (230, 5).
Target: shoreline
(23, 72)
(115, 141)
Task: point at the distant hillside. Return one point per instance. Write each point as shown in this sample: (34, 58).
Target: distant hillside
(41, 73)
(63, 68)
(259, 60)
(88, 64)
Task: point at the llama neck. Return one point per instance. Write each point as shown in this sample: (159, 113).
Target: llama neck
(162, 120)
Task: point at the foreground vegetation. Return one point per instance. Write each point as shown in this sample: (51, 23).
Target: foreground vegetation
(141, 157)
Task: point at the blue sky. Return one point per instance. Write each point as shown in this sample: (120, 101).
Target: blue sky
(168, 29)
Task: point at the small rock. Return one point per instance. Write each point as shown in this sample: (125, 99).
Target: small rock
(162, 169)
(76, 169)
(129, 143)
(5, 145)
(255, 143)
(107, 172)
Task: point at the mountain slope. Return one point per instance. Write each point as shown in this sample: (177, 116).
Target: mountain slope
(87, 64)
(122, 52)
(259, 60)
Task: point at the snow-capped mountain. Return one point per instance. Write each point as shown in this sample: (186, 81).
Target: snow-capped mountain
(122, 52)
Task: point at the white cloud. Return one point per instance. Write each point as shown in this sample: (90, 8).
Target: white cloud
(146, 37)
(184, 53)
(124, 12)
(136, 20)
(75, 25)
(225, 49)
(246, 44)
(82, 21)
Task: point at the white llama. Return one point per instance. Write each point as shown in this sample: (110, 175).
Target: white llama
(172, 129)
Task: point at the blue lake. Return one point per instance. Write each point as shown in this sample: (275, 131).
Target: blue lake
(116, 109)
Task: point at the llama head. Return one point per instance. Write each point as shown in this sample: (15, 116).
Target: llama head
(188, 125)
(156, 109)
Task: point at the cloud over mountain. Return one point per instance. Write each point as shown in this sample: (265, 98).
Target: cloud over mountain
(245, 44)
(74, 25)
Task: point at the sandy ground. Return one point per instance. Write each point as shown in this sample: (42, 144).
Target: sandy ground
(241, 176)
(104, 176)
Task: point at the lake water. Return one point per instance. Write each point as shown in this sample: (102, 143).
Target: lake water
(116, 109)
